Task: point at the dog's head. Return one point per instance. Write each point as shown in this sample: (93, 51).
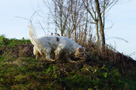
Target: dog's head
(80, 53)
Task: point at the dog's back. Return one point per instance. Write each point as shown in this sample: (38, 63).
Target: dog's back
(45, 45)
(57, 42)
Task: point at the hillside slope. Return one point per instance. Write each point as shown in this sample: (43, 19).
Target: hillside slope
(107, 70)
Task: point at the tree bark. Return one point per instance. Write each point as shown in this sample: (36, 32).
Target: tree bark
(100, 22)
(97, 32)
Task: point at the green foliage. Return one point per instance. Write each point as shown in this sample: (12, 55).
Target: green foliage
(1, 38)
(51, 71)
(1, 59)
(77, 82)
(12, 42)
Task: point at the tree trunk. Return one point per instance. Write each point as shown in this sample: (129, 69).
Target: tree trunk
(100, 22)
(97, 32)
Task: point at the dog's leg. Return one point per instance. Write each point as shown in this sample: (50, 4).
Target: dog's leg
(48, 57)
(57, 54)
(36, 53)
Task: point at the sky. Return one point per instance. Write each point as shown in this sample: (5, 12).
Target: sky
(120, 22)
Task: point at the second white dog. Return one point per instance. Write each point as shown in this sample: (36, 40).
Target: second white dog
(43, 46)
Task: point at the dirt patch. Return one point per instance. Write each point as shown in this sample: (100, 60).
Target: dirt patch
(26, 50)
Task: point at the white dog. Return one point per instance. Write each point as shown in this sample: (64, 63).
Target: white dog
(44, 46)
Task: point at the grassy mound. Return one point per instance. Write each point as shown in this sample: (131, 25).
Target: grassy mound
(101, 71)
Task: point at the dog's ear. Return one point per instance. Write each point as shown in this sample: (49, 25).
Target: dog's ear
(57, 39)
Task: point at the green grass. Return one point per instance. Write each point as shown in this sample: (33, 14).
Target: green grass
(27, 73)
(12, 42)
(39, 75)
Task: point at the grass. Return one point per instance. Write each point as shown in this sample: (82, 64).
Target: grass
(26, 73)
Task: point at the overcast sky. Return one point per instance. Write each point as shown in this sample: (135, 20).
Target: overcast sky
(122, 17)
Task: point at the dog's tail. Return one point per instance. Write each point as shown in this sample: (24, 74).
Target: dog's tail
(32, 34)
(33, 38)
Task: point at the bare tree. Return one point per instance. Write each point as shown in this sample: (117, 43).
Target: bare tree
(68, 15)
(75, 17)
(59, 13)
(97, 9)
